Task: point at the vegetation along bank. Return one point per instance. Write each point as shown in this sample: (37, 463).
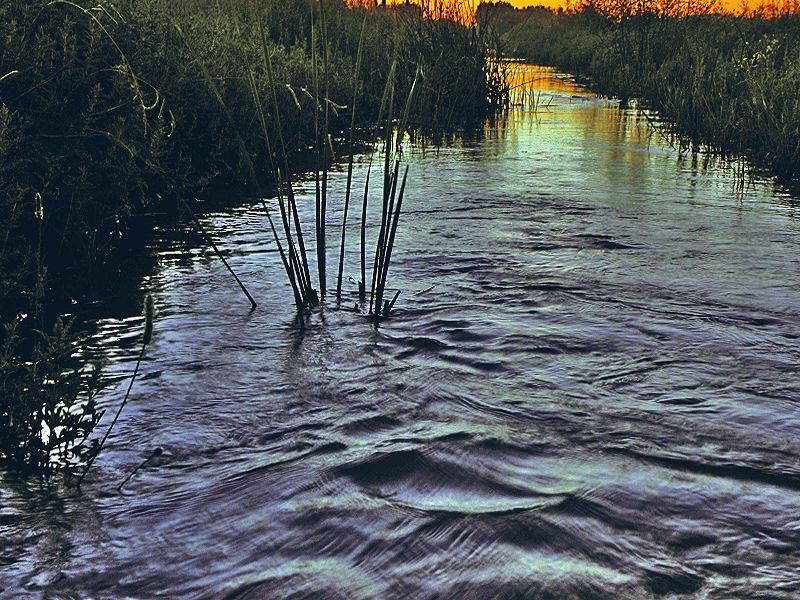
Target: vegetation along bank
(111, 110)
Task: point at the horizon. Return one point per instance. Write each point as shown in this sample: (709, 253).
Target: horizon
(725, 6)
(728, 6)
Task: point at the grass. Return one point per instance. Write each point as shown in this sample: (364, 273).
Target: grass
(112, 109)
(728, 82)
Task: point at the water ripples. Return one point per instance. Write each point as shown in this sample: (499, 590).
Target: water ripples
(588, 391)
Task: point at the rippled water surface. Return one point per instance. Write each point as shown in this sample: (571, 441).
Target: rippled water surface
(589, 390)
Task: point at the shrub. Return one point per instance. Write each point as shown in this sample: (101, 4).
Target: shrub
(47, 401)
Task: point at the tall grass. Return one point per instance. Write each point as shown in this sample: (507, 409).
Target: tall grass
(105, 111)
(113, 109)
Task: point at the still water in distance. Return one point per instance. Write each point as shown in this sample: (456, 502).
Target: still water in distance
(589, 390)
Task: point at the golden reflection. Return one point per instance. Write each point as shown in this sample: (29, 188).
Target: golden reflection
(619, 144)
(524, 79)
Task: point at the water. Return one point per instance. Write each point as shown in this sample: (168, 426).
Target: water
(589, 390)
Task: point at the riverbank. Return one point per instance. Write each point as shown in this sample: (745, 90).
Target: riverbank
(106, 111)
(112, 112)
(728, 82)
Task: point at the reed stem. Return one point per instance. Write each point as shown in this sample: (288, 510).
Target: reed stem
(359, 54)
(390, 244)
(362, 285)
(326, 157)
(387, 185)
(155, 453)
(146, 337)
(219, 254)
(284, 180)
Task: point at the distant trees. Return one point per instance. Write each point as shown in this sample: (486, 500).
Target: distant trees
(619, 10)
(462, 11)
(773, 9)
(636, 24)
(503, 16)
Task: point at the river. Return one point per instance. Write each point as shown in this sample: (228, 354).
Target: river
(588, 389)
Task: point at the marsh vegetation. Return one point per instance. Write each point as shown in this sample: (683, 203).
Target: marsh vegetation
(115, 115)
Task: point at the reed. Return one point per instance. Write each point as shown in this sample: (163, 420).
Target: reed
(154, 454)
(389, 89)
(284, 180)
(392, 204)
(350, 156)
(327, 157)
(147, 336)
(393, 219)
(322, 105)
(289, 268)
(219, 254)
(389, 177)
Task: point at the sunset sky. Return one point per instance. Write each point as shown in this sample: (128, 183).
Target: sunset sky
(550, 3)
(728, 5)
(734, 6)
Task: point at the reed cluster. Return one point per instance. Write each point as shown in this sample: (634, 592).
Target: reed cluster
(106, 111)
(725, 81)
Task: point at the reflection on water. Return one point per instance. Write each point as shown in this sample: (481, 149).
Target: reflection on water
(589, 391)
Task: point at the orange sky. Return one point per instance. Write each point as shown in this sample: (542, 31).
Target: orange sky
(550, 3)
(733, 6)
(727, 5)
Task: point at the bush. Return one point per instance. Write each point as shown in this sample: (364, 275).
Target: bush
(47, 401)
